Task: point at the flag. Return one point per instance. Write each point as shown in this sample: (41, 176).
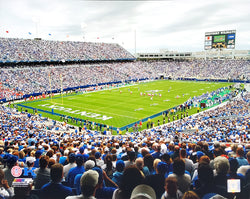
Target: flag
(49, 34)
(30, 33)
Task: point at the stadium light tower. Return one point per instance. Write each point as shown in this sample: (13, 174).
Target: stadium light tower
(83, 28)
(36, 20)
(135, 41)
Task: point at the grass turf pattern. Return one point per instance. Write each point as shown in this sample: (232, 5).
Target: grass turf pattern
(120, 106)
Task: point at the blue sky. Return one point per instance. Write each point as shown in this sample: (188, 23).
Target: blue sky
(150, 26)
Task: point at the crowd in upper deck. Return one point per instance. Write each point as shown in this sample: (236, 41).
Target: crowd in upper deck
(16, 50)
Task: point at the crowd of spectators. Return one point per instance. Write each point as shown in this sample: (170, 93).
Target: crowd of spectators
(26, 50)
(194, 155)
(16, 82)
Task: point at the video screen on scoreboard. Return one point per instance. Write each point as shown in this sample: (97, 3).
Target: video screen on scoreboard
(220, 39)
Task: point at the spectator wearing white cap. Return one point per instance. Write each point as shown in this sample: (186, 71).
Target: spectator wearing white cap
(89, 182)
(143, 191)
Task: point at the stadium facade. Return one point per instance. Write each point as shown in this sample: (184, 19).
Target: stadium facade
(211, 54)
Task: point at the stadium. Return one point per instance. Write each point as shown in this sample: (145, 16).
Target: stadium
(91, 119)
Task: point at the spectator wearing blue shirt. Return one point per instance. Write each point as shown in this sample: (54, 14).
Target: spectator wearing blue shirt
(119, 172)
(240, 157)
(55, 189)
(89, 164)
(102, 191)
(157, 149)
(79, 169)
(38, 155)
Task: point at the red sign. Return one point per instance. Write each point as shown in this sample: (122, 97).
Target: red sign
(16, 171)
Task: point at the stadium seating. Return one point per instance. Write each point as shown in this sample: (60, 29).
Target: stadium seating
(217, 132)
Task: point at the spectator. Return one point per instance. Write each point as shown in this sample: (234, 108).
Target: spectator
(149, 163)
(143, 191)
(171, 190)
(139, 163)
(71, 164)
(221, 165)
(42, 173)
(55, 189)
(103, 191)
(131, 178)
(183, 180)
(11, 162)
(117, 176)
(188, 163)
(156, 181)
(79, 169)
(240, 157)
(190, 195)
(5, 190)
(205, 183)
(89, 183)
(243, 169)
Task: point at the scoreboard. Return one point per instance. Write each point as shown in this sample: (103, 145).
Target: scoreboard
(220, 39)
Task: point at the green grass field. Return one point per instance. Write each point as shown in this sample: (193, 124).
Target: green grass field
(121, 106)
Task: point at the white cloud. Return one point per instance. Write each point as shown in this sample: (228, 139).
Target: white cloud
(174, 24)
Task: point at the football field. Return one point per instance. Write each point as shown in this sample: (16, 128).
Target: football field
(122, 105)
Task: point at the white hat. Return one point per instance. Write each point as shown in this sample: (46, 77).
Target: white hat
(30, 160)
(89, 178)
(143, 191)
(89, 164)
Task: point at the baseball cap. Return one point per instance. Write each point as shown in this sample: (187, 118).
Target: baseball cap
(38, 153)
(120, 165)
(89, 178)
(30, 160)
(143, 191)
(98, 155)
(89, 164)
(82, 149)
(199, 154)
(162, 167)
(12, 159)
(79, 159)
(72, 157)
